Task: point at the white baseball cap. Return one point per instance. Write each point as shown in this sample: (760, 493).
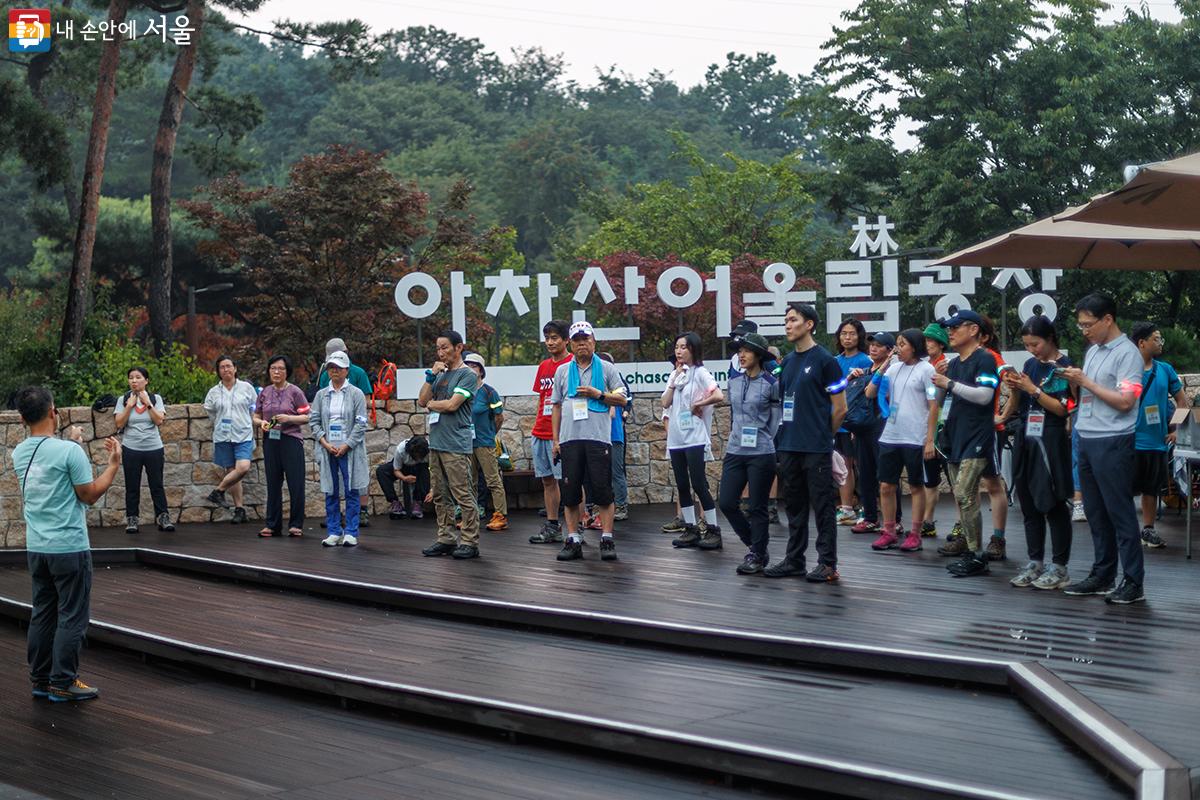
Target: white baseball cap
(581, 327)
(338, 359)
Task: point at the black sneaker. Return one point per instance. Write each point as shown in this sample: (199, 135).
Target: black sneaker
(823, 573)
(41, 689)
(1092, 584)
(1150, 538)
(968, 566)
(772, 512)
(239, 516)
(364, 521)
(551, 533)
(217, 497)
(465, 551)
(929, 528)
(78, 690)
(571, 550)
(608, 549)
(1128, 592)
(784, 569)
(690, 537)
(131, 524)
(751, 565)
(438, 549)
(164, 522)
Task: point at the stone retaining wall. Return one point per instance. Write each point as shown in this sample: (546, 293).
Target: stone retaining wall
(189, 474)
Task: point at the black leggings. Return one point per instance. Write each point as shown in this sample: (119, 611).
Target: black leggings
(284, 458)
(133, 461)
(688, 465)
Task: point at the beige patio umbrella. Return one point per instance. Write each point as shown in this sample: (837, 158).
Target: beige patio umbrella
(1060, 243)
(1161, 195)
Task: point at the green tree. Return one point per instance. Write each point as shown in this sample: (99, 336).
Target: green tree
(723, 211)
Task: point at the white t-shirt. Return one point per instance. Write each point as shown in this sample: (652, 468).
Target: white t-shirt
(909, 386)
(683, 428)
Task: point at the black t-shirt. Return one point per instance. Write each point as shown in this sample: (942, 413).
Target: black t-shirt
(970, 426)
(808, 381)
(1053, 385)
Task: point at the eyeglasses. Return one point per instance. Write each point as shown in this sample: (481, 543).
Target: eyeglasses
(1086, 326)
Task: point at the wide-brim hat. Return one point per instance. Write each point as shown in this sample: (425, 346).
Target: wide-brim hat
(754, 342)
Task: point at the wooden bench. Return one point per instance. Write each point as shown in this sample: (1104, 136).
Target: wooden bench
(519, 483)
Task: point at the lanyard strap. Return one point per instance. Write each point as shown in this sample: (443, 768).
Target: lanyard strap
(28, 466)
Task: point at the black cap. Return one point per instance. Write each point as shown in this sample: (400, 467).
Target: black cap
(961, 316)
(743, 327)
(882, 337)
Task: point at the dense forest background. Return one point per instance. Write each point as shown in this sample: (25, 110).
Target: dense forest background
(453, 156)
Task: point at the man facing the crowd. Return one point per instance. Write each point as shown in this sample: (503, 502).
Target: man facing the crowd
(1109, 385)
(814, 405)
(446, 395)
(57, 486)
(1153, 437)
(545, 465)
(585, 389)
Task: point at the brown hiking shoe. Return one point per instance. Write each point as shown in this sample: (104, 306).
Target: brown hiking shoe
(710, 539)
(995, 549)
(954, 546)
(498, 522)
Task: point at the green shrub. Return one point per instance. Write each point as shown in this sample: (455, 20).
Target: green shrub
(104, 369)
(30, 350)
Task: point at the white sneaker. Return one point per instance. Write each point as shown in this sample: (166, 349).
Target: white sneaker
(846, 515)
(1055, 577)
(332, 541)
(1077, 514)
(1026, 577)
(349, 541)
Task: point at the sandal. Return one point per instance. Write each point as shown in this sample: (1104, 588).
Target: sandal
(266, 533)
(295, 532)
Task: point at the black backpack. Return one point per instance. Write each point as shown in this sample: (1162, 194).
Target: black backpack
(862, 412)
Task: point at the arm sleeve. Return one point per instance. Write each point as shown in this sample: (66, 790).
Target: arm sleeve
(159, 404)
(314, 422)
(210, 401)
(612, 378)
(558, 390)
(1129, 373)
(299, 401)
(979, 395)
(359, 432)
(464, 384)
(1173, 382)
(831, 376)
(79, 467)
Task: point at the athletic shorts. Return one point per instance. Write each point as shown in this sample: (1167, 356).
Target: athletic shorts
(894, 457)
(543, 459)
(843, 442)
(586, 464)
(227, 454)
(1150, 473)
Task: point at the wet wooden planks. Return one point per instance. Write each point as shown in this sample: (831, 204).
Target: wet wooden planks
(162, 732)
(837, 716)
(1139, 661)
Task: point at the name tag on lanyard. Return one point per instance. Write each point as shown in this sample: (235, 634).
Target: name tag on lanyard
(789, 408)
(433, 418)
(337, 432)
(579, 410)
(686, 420)
(225, 428)
(749, 436)
(1085, 405)
(1153, 417)
(1035, 424)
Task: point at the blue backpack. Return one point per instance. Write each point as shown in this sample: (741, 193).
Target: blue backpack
(862, 412)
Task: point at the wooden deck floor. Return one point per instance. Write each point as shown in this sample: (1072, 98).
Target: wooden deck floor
(165, 732)
(890, 723)
(1140, 662)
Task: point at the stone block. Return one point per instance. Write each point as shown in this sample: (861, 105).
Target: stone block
(206, 474)
(112, 517)
(637, 476)
(399, 433)
(177, 475)
(10, 418)
(11, 507)
(656, 493)
(653, 432)
(78, 416)
(660, 473)
(637, 453)
(177, 412)
(174, 430)
(15, 536)
(200, 430)
(9, 485)
(658, 450)
(417, 423)
(377, 441)
(384, 420)
(206, 451)
(401, 406)
(196, 514)
(196, 411)
(526, 424)
(521, 404)
(104, 424)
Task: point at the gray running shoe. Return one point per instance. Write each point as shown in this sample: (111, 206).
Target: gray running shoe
(551, 533)
(1054, 577)
(1030, 573)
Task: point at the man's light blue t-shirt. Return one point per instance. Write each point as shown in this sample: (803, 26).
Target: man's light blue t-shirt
(1154, 410)
(55, 518)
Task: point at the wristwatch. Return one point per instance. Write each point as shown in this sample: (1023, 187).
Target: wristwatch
(1037, 392)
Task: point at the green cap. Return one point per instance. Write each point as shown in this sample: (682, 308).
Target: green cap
(937, 333)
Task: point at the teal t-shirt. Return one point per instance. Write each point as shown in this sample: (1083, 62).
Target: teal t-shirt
(485, 406)
(55, 519)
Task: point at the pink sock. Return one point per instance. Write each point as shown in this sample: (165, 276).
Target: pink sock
(890, 527)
